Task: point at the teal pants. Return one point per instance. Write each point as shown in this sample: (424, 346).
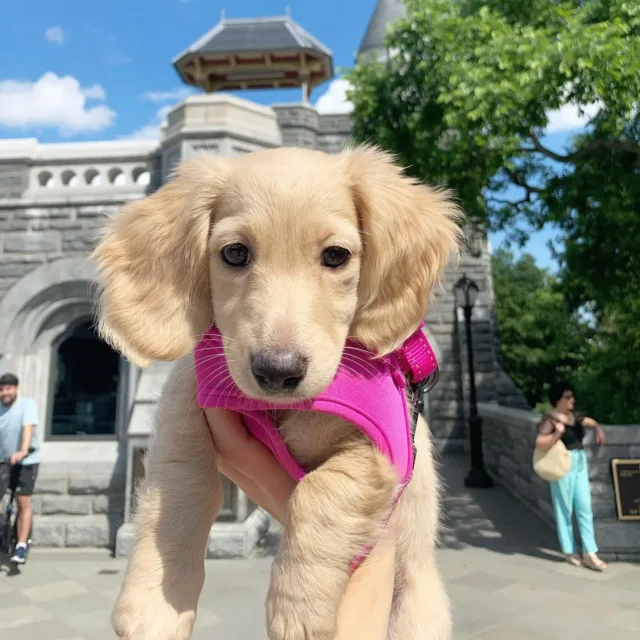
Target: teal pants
(569, 494)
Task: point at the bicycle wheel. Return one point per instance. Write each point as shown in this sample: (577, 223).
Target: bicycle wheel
(13, 538)
(6, 533)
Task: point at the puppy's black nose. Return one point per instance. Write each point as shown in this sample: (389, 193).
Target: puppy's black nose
(278, 370)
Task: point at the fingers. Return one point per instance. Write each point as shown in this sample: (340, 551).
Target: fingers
(255, 467)
(366, 606)
(252, 489)
(237, 446)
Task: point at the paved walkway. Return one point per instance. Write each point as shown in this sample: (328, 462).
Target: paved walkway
(505, 582)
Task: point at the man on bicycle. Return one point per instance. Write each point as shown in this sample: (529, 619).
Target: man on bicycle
(19, 455)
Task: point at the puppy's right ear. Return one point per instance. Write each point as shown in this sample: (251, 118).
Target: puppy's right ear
(153, 265)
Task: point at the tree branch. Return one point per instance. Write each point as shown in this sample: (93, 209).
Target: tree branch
(517, 180)
(512, 203)
(600, 143)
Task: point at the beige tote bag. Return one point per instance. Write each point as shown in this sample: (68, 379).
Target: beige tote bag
(554, 463)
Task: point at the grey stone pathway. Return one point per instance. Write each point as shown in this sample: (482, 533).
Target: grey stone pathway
(504, 579)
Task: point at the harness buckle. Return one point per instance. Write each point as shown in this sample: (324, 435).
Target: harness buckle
(417, 403)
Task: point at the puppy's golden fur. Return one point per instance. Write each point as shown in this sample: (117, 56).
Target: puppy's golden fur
(163, 283)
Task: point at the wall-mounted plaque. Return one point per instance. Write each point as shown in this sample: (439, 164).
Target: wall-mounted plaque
(626, 485)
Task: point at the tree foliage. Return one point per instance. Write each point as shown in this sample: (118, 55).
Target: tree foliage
(541, 340)
(608, 381)
(463, 98)
(464, 95)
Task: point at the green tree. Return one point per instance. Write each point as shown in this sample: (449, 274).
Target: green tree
(541, 340)
(608, 382)
(464, 97)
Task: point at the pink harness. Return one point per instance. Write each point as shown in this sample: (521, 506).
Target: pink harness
(366, 391)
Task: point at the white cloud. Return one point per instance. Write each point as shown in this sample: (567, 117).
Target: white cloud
(163, 112)
(168, 96)
(148, 132)
(94, 92)
(53, 101)
(570, 117)
(151, 130)
(334, 99)
(55, 35)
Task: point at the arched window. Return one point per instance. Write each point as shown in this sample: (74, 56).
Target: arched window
(86, 374)
(69, 178)
(93, 178)
(141, 176)
(45, 179)
(117, 177)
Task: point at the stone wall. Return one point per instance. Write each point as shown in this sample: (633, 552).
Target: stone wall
(31, 236)
(302, 126)
(448, 402)
(78, 507)
(509, 439)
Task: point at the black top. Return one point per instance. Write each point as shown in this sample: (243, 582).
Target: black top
(573, 434)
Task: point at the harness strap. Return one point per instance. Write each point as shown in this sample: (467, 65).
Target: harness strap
(419, 364)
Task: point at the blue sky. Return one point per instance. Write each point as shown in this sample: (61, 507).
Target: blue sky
(126, 48)
(77, 70)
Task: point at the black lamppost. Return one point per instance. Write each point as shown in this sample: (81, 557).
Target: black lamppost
(466, 292)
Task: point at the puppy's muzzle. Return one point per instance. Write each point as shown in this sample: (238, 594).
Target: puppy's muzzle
(278, 370)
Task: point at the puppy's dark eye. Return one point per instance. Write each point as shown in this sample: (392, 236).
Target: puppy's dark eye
(236, 255)
(334, 257)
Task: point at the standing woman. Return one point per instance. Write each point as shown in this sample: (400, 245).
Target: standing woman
(572, 492)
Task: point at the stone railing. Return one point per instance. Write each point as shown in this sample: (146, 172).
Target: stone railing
(509, 439)
(32, 172)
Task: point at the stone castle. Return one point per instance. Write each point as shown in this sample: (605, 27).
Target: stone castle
(96, 408)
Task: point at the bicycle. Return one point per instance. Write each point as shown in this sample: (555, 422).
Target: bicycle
(9, 528)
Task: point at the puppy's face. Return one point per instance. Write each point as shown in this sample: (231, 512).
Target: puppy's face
(288, 252)
(285, 252)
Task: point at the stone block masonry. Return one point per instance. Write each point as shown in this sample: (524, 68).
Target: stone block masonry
(32, 236)
(77, 508)
(303, 126)
(509, 439)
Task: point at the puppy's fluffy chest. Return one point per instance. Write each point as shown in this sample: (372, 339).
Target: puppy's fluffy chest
(313, 437)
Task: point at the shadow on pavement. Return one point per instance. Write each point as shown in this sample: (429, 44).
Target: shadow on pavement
(490, 518)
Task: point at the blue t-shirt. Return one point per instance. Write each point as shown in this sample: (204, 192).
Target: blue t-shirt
(22, 412)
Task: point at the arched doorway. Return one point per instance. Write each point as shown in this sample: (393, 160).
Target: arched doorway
(85, 376)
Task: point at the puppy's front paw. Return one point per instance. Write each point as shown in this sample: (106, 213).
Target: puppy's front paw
(297, 609)
(148, 616)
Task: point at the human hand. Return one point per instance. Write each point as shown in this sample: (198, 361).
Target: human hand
(601, 436)
(366, 606)
(17, 458)
(254, 469)
(249, 464)
(560, 428)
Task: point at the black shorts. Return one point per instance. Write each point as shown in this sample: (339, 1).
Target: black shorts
(20, 477)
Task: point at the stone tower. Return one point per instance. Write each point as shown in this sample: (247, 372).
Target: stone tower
(384, 15)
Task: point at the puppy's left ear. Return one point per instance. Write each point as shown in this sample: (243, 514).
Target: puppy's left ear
(409, 233)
